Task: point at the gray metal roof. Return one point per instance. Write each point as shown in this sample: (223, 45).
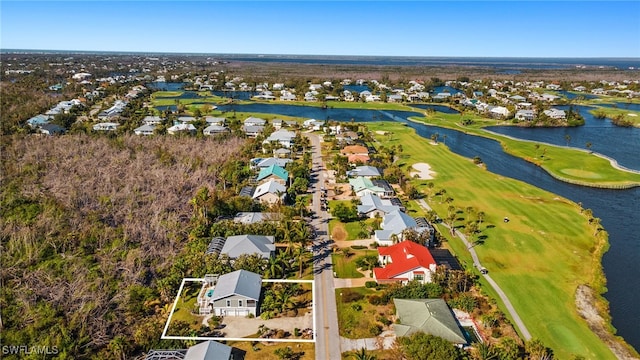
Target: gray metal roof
(209, 350)
(240, 282)
(238, 245)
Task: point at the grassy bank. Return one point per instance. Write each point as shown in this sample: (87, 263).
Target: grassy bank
(539, 257)
(566, 164)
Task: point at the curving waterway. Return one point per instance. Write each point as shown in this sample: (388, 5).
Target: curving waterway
(619, 210)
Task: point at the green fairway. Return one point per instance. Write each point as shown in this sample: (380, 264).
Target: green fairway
(538, 258)
(566, 164)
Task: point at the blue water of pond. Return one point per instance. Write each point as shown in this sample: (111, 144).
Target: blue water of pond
(570, 95)
(166, 86)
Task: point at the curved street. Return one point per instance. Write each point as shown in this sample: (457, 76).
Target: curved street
(512, 311)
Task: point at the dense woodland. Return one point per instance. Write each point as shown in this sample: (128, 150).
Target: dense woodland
(89, 225)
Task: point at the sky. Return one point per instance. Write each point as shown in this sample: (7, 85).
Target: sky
(378, 28)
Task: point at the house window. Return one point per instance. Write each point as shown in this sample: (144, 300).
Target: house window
(228, 303)
(419, 277)
(239, 303)
(251, 303)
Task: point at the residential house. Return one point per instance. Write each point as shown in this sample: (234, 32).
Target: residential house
(371, 206)
(209, 350)
(287, 96)
(254, 121)
(236, 294)
(210, 120)
(145, 130)
(499, 112)
(282, 137)
(234, 246)
(364, 171)
(384, 184)
(313, 124)
(549, 97)
(556, 114)
(261, 163)
(526, 115)
(580, 88)
(356, 153)
(282, 153)
(270, 192)
(362, 186)
(252, 130)
(215, 130)
(430, 316)
(393, 225)
(51, 129)
(152, 120)
(273, 173)
(106, 126)
(277, 123)
(403, 262)
(38, 120)
(186, 119)
(255, 217)
(181, 128)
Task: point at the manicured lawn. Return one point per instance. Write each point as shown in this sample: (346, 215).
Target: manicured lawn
(345, 231)
(614, 112)
(538, 258)
(186, 304)
(563, 163)
(346, 267)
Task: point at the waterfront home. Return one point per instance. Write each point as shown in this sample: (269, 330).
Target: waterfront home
(236, 294)
(237, 245)
(430, 316)
(499, 112)
(186, 119)
(580, 88)
(525, 115)
(270, 192)
(403, 262)
(144, 130)
(106, 126)
(313, 124)
(287, 96)
(556, 114)
(273, 173)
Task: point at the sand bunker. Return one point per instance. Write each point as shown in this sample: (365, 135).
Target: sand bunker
(634, 115)
(423, 171)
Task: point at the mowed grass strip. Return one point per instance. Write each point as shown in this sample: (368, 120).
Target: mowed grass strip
(574, 165)
(538, 258)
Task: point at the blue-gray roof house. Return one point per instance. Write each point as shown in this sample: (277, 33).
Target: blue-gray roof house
(237, 294)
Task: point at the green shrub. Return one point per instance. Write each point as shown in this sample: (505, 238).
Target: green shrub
(370, 284)
(356, 307)
(350, 296)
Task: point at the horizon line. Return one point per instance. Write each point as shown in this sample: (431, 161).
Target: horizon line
(70, 51)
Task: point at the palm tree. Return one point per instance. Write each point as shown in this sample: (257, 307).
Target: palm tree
(275, 268)
(362, 354)
(287, 232)
(588, 145)
(485, 352)
(567, 138)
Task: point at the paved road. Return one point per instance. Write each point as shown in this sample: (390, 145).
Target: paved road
(514, 315)
(327, 336)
